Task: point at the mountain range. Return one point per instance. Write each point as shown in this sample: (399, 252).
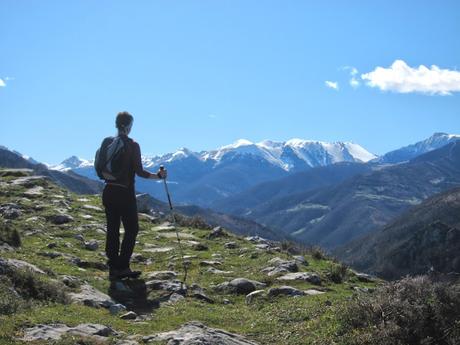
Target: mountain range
(337, 213)
(201, 178)
(424, 238)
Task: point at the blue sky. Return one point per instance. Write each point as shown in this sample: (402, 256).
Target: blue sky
(202, 74)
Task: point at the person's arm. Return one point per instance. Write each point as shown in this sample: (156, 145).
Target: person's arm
(139, 169)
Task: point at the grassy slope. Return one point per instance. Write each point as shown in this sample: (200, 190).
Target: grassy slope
(305, 320)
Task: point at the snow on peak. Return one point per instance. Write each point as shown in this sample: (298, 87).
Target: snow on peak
(72, 162)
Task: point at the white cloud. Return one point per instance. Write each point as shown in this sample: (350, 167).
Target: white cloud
(2, 83)
(354, 83)
(332, 84)
(402, 78)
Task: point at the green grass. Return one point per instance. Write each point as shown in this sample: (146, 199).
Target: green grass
(304, 320)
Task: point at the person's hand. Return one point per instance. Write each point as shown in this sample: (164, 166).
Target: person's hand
(162, 173)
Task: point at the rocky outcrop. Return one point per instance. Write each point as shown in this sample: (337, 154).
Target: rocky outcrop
(196, 333)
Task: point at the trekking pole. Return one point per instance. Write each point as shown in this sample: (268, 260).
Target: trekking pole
(171, 209)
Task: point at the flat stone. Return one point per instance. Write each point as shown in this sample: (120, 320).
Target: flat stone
(59, 219)
(34, 191)
(92, 207)
(158, 249)
(57, 331)
(196, 333)
(285, 291)
(12, 264)
(365, 278)
(230, 245)
(91, 297)
(162, 275)
(117, 308)
(241, 286)
(29, 181)
(130, 315)
(213, 270)
(254, 295)
(210, 263)
(167, 285)
(313, 292)
(312, 278)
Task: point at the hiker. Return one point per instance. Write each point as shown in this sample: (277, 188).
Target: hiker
(117, 162)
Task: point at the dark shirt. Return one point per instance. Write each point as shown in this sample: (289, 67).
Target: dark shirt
(133, 164)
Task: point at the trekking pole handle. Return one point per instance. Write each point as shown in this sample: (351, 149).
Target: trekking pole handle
(162, 168)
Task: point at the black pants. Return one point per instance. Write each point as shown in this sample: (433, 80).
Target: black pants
(120, 206)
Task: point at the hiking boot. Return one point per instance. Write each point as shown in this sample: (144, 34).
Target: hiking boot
(113, 273)
(127, 273)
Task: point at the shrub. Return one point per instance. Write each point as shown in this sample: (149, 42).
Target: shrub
(9, 235)
(318, 253)
(410, 311)
(10, 301)
(338, 272)
(33, 286)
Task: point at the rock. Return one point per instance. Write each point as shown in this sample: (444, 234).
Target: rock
(196, 333)
(162, 275)
(300, 259)
(365, 278)
(254, 295)
(313, 292)
(175, 297)
(199, 246)
(91, 297)
(139, 258)
(213, 270)
(126, 342)
(202, 297)
(13, 264)
(29, 181)
(34, 191)
(280, 266)
(59, 219)
(52, 245)
(167, 285)
(70, 281)
(5, 247)
(130, 315)
(262, 246)
(56, 331)
(91, 245)
(240, 286)
(257, 239)
(52, 255)
(117, 308)
(218, 231)
(285, 291)
(210, 263)
(79, 237)
(312, 278)
(94, 208)
(231, 245)
(10, 211)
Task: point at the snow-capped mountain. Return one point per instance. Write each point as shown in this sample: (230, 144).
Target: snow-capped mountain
(72, 163)
(436, 141)
(202, 177)
(293, 154)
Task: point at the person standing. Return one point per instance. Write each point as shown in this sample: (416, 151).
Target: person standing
(119, 200)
